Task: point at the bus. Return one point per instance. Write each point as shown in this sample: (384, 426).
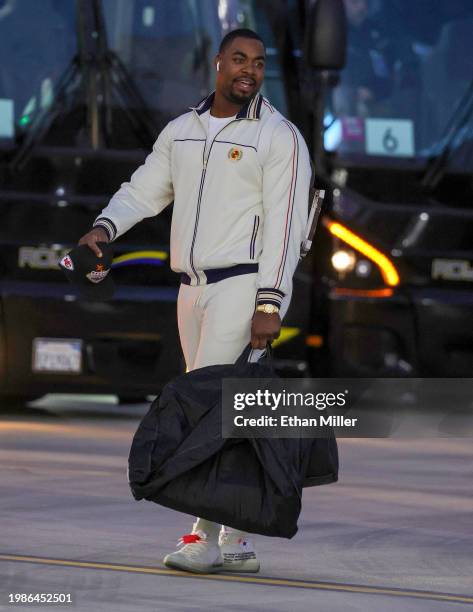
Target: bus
(393, 290)
(382, 92)
(85, 88)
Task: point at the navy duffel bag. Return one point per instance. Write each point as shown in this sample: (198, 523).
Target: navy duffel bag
(179, 459)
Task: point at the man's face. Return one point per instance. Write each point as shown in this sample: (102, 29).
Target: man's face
(357, 11)
(241, 70)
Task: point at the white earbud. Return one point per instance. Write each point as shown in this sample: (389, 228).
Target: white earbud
(218, 66)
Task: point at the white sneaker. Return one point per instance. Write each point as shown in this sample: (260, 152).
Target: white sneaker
(238, 553)
(198, 554)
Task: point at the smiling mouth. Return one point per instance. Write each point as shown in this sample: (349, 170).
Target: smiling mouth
(245, 84)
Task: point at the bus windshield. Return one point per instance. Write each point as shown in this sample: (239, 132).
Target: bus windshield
(408, 79)
(168, 47)
(164, 47)
(37, 43)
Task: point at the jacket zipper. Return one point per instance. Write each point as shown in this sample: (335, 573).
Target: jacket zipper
(205, 159)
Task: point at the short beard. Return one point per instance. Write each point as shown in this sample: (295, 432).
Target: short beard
(236, 99)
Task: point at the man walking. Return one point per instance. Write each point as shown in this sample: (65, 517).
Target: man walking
(239, 175)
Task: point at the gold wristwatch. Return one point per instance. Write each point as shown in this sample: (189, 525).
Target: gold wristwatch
(267, 308)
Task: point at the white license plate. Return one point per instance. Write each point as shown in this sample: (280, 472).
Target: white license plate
(57, 355)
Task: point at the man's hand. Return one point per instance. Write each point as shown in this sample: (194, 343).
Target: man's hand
(91, 238)
(264, 328)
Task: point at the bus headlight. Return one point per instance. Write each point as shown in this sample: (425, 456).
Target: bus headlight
(343, 261)
(355, 259)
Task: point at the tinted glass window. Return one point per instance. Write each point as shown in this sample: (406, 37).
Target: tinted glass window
(37, 44)
(408, 74)
(167, 48)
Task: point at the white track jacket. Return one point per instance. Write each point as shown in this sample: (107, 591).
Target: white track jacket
(240, 205)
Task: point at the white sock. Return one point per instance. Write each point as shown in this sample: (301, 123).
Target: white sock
(236, 532)
(211, 529)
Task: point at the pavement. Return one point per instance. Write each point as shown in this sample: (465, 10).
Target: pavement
(394, 534)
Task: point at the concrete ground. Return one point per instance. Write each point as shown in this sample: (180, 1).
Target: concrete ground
(394, 534)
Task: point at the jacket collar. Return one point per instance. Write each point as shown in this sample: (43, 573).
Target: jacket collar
(251, 110)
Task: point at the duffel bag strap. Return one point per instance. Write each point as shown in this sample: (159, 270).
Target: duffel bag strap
(267, 356)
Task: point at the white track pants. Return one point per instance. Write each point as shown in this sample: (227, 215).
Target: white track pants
(215, 320)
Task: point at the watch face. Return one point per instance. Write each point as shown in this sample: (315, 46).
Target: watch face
(268, 308)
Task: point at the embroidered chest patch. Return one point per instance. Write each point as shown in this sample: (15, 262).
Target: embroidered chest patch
(235, 154)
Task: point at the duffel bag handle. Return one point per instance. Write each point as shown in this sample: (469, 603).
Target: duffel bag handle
(268, 356)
